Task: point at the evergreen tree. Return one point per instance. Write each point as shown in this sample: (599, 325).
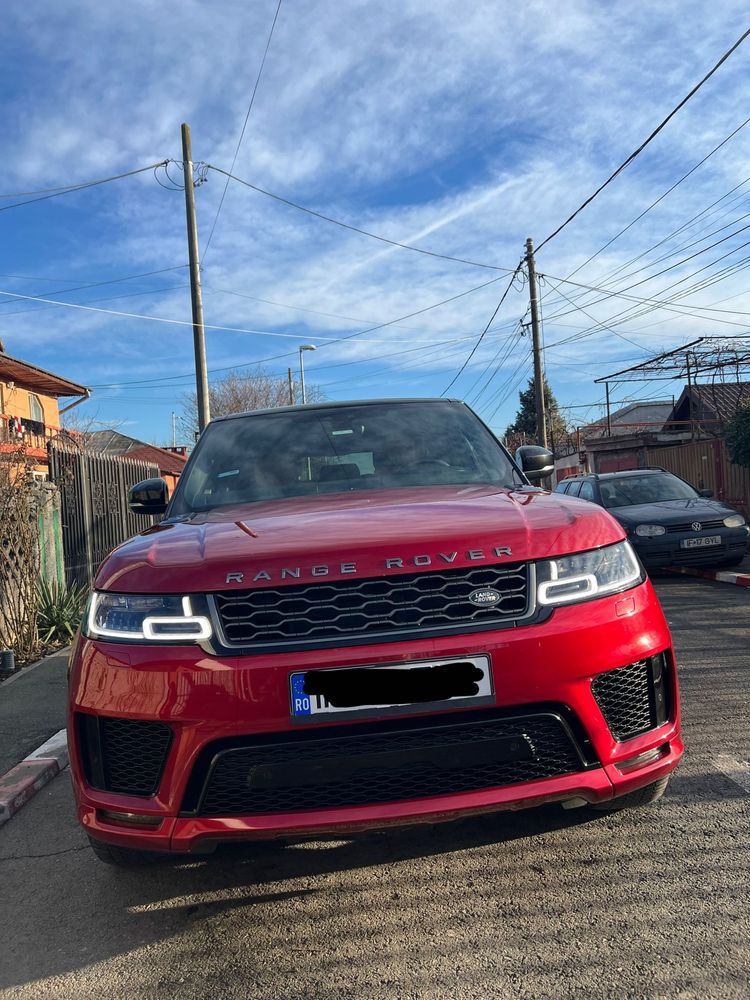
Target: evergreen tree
(738, 436)
(523, 428)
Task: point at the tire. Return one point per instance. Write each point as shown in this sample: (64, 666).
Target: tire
(126, 857)
(633, 800)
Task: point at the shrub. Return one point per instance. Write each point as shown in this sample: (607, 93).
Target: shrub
(738, 436)
(59, 610)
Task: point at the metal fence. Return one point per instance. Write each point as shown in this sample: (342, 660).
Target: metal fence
(95, 514)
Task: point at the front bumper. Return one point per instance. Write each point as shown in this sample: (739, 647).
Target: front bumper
(211, 701)
(666, 550)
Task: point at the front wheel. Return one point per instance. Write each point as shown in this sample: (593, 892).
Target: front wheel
(125, 857)
(633, 800)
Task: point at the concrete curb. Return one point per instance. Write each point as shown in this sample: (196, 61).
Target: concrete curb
(721, 576)
(19, 785)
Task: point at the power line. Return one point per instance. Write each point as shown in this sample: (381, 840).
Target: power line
(661, 197)
(646, 141)
(57, 192)
(484, 332)
(604, 325)
(606, 279)
(336, 340)
(105, 298)
(356, 229)
(609, 293)
(98, 284)
(662, 304)
(244, 126)
(154, 319)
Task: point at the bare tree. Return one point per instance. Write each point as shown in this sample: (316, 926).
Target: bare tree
(77, 429)
(239, 392)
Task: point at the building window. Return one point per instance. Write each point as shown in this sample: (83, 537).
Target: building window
(35, 408)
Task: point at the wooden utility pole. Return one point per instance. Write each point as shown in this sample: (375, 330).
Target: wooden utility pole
(541, 419)
(196, 298)
(290, 380)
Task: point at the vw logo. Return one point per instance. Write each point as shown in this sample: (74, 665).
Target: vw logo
(485, 597)
(696, 526)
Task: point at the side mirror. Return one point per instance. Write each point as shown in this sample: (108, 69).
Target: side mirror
(705, 493)
(149, 497)
(535, 462)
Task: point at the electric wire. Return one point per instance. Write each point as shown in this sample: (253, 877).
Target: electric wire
(97, 284)
(351, 336)
(484, 332)
(647, 140)
(356, 229)
(242, 133)
(661, 197)
(58, 192)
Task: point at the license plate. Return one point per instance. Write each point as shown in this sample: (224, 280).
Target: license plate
(699, 543)
(393, 688)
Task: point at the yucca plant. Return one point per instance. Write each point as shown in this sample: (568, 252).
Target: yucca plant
(59, 609)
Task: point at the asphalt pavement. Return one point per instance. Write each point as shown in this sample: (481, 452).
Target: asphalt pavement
(650, 903)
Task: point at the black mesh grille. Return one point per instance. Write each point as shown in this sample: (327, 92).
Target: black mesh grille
(688, 525)
(125, 755)
(390, 763)
(631, 698)
(362, 607)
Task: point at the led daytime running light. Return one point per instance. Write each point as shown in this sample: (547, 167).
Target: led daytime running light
(153, 628)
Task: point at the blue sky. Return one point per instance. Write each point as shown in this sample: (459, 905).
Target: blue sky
(462, 128)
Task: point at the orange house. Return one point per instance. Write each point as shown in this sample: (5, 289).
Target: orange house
(30, 407)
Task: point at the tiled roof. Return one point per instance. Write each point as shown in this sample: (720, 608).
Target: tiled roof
(634, 418)
(722, 398)
(167, 461)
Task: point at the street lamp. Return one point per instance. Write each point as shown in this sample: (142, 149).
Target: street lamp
(304, 347)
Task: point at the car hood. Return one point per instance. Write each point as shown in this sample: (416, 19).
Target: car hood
(338, 536)
(672, 512)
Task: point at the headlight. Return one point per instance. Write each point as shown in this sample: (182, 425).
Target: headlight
(587, 574)
(144, 617)
(734, 521)
(650, 530)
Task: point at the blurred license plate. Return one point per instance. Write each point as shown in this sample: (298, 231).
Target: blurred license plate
(464, 680)
(699, 543)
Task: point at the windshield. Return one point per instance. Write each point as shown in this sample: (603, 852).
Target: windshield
(627, 491)
(273, 456)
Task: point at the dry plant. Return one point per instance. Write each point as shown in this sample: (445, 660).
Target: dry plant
(19, 555)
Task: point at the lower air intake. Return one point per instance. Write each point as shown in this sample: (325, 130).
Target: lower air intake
(383, 762)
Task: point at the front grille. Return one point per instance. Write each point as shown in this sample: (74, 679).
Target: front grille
(632, 699)
(688, 525)
(345, 608)
(382, 762)
(124, 755)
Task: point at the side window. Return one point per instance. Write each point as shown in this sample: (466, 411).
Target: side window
(35, 408)
(574, 488)
(562, 487)
(587, 490)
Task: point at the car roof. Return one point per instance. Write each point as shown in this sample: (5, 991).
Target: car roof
(623, 473)
(335, 404)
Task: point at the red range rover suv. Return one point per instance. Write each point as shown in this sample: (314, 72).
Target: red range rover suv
(356, 615)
